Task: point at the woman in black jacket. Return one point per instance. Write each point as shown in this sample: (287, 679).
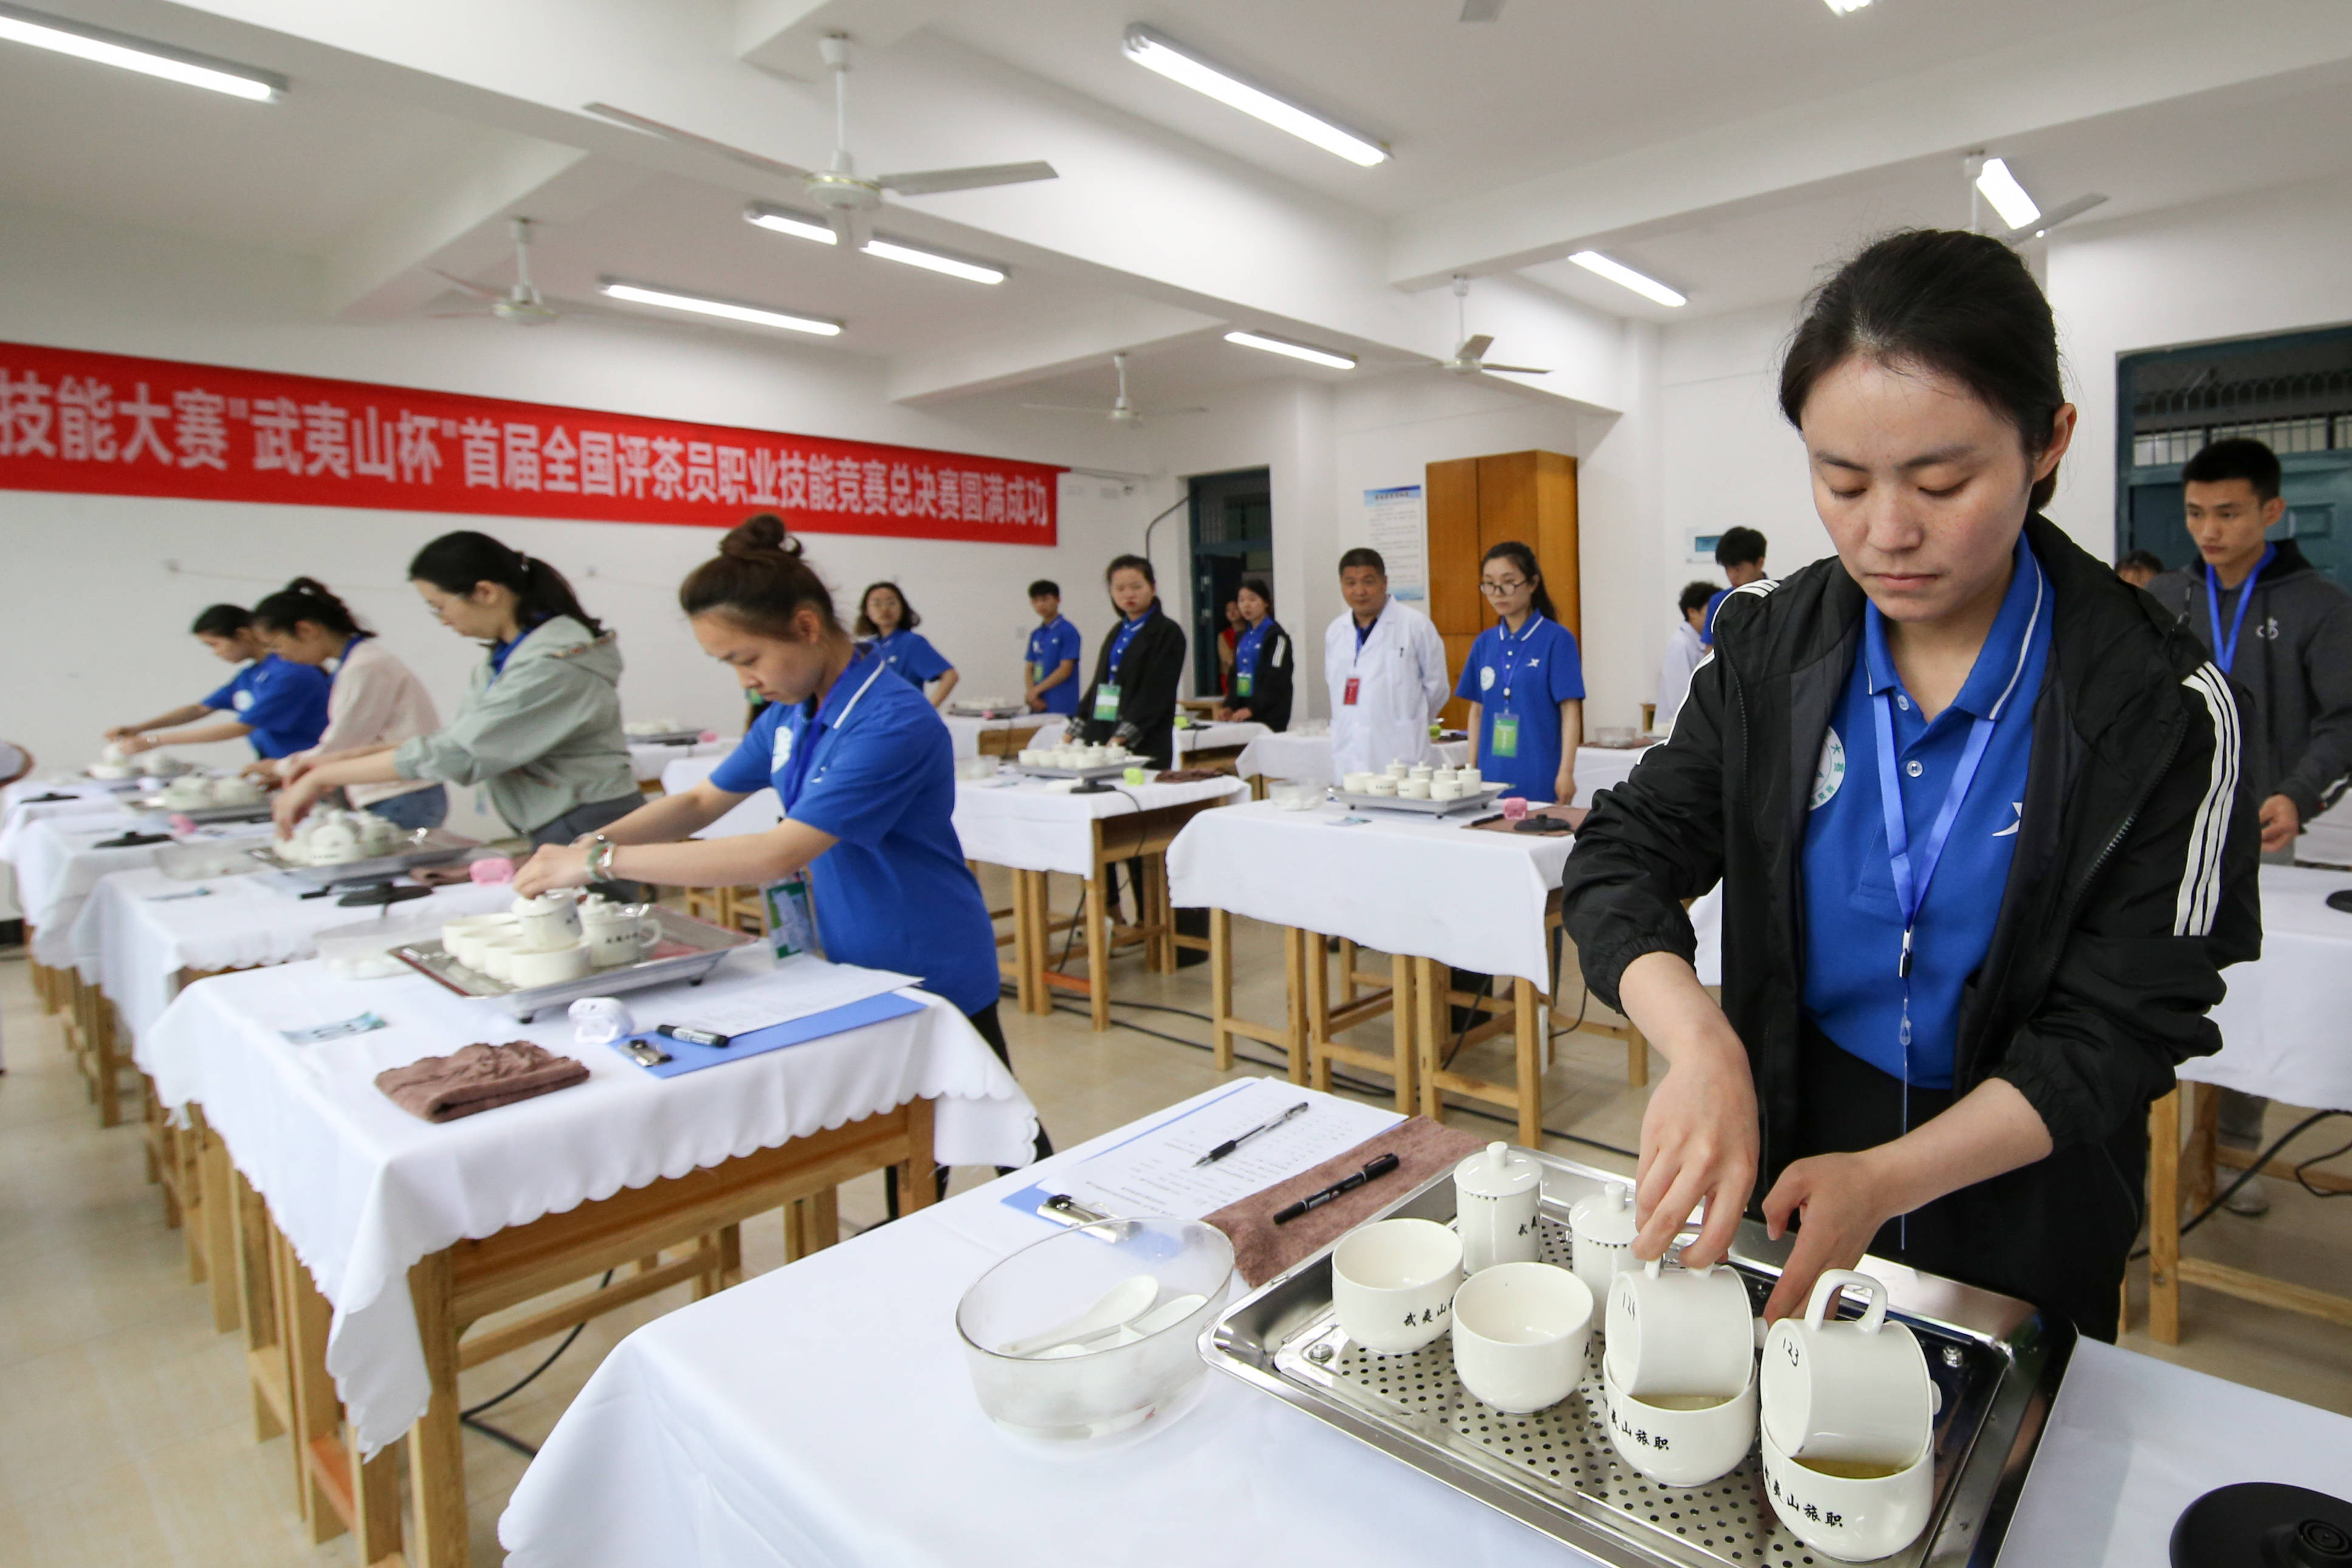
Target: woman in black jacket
(1264, 662)
(1941, 1024)
(1137, 668)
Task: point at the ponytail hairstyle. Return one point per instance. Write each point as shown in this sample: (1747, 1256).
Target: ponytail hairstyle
(307, 599)
(222, 621)
(759, 581)
(456, 562)
(1520, 556)
(908, 619)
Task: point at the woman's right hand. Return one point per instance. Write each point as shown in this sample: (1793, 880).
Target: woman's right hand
(1700, 1140)
(133, 743)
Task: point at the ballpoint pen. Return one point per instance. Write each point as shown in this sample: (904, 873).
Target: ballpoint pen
(1230, 1144)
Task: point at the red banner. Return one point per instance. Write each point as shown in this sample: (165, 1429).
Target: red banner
(100, 423)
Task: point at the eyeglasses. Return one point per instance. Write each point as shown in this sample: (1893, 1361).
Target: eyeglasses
(1512, 586)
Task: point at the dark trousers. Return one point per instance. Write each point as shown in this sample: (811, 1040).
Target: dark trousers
(2055, 1233)
(588, 818)
(991, 1030)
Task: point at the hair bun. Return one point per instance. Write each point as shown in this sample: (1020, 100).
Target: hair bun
(759, 534)
(310, 586)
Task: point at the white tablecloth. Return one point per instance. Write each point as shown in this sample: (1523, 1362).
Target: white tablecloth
(1400, 884)
(966, 732)
(2328, 837)
(1218, 738)
(363, 1190)
(2287, 1024)
(1307, 758)
(56, 865)
(646, 763)
(17, 802)
(1600, 767)
(137, 931)
(820, 1416)
(1030, 827)
(756, 813)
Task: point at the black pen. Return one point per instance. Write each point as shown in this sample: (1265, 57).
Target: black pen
(1379, 1166)
(693, 1037)
(1230, 1144)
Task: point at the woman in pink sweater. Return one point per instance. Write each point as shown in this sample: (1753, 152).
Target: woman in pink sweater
(375, 703)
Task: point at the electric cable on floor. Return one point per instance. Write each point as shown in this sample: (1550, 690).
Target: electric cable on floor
(2255, 1168)
(468, 1416)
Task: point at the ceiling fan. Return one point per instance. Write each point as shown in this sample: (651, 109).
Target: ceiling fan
(1470, 358)
(847, 197)
(520, 304)
(1121, 412)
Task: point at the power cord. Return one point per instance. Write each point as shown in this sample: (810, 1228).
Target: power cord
(2255, 1168)
(469, 1417)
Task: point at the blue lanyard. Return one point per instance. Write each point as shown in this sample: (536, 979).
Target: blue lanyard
(2226, 653)
(1514, 646)
(1126, 636)
(1246, 652)
(797, 777)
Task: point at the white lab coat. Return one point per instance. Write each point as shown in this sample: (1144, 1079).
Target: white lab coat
(1683, 651)
(1400, 671)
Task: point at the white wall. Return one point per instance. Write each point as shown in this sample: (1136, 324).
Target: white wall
(2267, 262)
(100, 590)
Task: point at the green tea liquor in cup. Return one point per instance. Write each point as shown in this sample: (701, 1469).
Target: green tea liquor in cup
(1847, 1392)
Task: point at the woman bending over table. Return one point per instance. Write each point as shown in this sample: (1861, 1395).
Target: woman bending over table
(373, 698)
(282, 706)
(1976, 808)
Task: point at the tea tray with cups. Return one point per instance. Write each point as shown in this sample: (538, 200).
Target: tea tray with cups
(686, 949)
(666, 738)
(425, 846)
(156, 806)
(1995, 1364)
(1486, 795)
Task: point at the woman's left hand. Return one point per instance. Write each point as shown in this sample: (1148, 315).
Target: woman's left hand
(294, 803)
(555, 866)
(1564, 788)
(1842, 1200)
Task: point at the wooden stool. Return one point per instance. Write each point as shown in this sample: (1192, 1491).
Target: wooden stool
(1224, 1023)
(1392, 994)
(89, 1020)
(1526, 1015)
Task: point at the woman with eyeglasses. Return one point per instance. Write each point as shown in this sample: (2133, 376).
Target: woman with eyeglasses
(1524, 683)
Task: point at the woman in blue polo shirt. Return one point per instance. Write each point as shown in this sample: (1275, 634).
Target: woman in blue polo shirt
(865, 773)
(1525, 683)
(1264, 662)
(280, 704)
(888, 622)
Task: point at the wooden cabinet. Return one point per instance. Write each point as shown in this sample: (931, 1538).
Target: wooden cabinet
(1476, 503)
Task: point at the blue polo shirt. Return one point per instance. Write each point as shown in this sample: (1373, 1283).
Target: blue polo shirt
(875, 768)
(1707, 625)
(1248, 649)
(284, 703)
(912, 654)
(1527, 675)
(1853, 928)
(1049, 644)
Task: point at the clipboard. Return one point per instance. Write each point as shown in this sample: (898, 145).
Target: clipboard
(685, 1057)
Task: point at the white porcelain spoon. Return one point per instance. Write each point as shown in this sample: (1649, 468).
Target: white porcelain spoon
(1129, 1297)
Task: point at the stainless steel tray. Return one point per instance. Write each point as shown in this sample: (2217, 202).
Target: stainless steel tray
(1099, 771)
(428, 846)
(668, 738)
(1487, 796)
(1996, 1361)
(689, 950)
(152, 805)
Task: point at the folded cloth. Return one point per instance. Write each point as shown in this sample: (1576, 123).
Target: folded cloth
(478, 1077)
(1190, 775)
(1262, 1249)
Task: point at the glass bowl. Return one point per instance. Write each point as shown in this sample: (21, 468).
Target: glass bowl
(1112, 1384)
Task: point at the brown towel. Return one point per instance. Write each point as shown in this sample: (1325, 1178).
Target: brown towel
(1262, 1249)
(1191, 775)
(478, 1077)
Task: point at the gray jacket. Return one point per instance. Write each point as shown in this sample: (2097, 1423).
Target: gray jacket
(2295, 656)
(544, 736)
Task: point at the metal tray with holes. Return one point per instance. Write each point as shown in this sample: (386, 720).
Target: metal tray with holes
(1996, 1361)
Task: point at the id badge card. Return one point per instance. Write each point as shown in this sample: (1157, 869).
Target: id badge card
(1241, 684)
(791, 918)
(1506, 735)
(1106, 704)
(1350, 699)
(1036, 672)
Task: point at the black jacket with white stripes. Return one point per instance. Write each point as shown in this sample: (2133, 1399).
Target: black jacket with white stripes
(2133, 882)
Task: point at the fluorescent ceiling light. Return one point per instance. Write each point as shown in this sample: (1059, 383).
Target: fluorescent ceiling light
(1296, 351)
(2007, 196)
(636, 294)
(931, 260)
(1624, 277)
(111, 49)
(784, 220)
(1148, 49)
(1846, 7)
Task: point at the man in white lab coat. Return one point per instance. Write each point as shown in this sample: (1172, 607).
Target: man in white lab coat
(1386, 665)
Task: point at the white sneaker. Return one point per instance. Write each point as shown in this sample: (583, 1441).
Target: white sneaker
(2252, 1200)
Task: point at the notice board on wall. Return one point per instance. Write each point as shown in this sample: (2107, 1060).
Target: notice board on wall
(101, 423)
(1395, 524)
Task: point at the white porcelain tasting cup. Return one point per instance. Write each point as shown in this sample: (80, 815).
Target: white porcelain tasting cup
(1381, 784)
(1601, 1229)
(619, 933)
(1394, 1282)
(1413, 789)
(463, 938)
(1421, 770)
(1445, 776)
(1357, 783)
(1029, 757)
(498, 953)
(1681, 1440)
(1852, 1393)
(1445, 789)
(549, 921)
(1520, 1331)
(1680, 1332)
(234, 789)
(529, 969)
(1847, 1516)
(1497, 1194)
(1471, 781)
(333, 844)
(1399, 769)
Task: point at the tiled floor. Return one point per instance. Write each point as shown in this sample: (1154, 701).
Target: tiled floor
(125, 1433)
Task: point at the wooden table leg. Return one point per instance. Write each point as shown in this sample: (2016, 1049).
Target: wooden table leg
(107, 1062)
(1316, 969)
(917, 1188)
(1024, 960)
(1429, 994)
(1527, 1022)
(311, 1391)
(437, 1459)
(1098, 950)
(1637, 1055)
(1220, 989)
(2204, 1138)
(1293, 991)
(1348, 971)
(256, 1293)
(219, 1225)
(2164, 1219)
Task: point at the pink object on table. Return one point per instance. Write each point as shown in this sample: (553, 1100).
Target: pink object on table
(183, 822)
(492, 869)
(709, 736)
(1515, 808)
